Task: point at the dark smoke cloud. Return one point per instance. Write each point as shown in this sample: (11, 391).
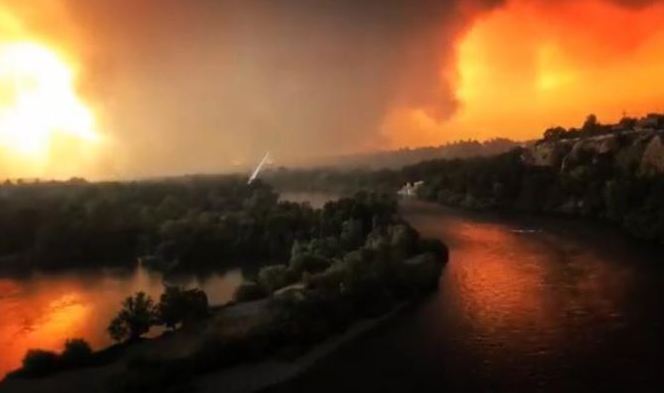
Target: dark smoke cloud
(200, 85)
(204, 85)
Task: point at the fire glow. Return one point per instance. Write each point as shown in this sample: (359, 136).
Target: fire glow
(529, 65)
(43, 119)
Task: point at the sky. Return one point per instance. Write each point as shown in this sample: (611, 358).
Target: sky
(136, 88)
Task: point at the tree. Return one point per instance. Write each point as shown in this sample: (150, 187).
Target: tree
(137, 316)
(274, 277)
(39, 362)
(628, 123)
(591, 124)
(77, 352)
(352, 235)
(555, 133)
(177, 305)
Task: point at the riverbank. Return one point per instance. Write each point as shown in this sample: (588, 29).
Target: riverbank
(328, 286)
(257, 376)
(526, 304)
(234, 320)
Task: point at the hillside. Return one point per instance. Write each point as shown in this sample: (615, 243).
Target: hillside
(607, 172)
(395, 159)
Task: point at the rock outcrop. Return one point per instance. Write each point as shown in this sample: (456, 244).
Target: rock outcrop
(652, 161)
(640, 152)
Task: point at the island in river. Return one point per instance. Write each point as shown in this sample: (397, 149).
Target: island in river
(361, 261)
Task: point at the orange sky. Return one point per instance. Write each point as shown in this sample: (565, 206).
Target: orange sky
(179, 87)
(532, 64)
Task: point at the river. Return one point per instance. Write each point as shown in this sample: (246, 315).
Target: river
(524, 305)
(43, 310)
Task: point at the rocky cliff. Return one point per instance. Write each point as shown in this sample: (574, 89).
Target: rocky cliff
(639, 152)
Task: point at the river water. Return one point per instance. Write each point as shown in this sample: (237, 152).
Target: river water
(524, 305)
(43, 310)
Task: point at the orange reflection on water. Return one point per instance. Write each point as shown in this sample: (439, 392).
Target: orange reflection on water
(500, 286)
(38, 317)
(43, 311)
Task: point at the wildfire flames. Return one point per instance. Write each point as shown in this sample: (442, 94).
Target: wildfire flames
(529, 65)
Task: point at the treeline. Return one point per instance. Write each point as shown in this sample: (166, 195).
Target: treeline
(336, 181)
(592, 187)
(396, 159)
(592, 127)
(185, 222)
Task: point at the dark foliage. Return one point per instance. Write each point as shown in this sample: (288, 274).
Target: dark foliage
(77, 353)
(179, 306)
(38, 362)
(186, 223)
(137, 316)
(604, 184)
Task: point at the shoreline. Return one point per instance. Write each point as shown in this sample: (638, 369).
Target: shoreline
(257, 376)
(242, 378)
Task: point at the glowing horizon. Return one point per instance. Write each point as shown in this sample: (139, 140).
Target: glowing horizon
(528, 65)
(299, 84)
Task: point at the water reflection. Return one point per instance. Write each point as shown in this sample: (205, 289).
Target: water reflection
(43, 310)
(568, 307)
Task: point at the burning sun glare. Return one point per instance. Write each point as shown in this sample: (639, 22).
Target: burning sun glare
(38, 101)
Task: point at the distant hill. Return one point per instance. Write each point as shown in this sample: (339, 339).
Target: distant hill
(394, 159)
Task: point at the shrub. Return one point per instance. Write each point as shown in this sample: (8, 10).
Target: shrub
(177, 305)
(248, 291)
(403, 238)
(331, 279)
(273, 277)
(308, 263)
(77, 352)
(38, 362)
(135, 319)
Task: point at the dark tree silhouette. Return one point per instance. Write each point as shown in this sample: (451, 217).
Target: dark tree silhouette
(135, 319)
(177, 305)
(77, 352)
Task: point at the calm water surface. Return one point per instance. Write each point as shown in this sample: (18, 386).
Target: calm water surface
(41, 311)
(525, 305)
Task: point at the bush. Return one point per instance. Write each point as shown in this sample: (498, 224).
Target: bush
(331, 279)
(248, 291)
(137, 316)
(77, 352)
(38, 362)
(403, 239)
(177, 305)
(308, 263)
(274, 277)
